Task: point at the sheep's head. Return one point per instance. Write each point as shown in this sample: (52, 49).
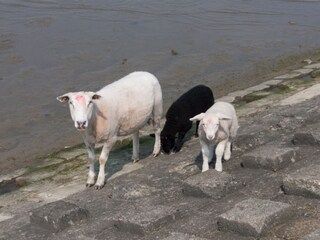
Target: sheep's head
(210, 123)
(81, 106)
(167, 142)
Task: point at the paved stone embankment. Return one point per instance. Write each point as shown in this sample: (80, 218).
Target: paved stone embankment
(269, 189)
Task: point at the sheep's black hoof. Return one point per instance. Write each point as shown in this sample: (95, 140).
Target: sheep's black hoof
(135, 160)
(196, 135)
(89, 185)
(176, 149)
(97, 187)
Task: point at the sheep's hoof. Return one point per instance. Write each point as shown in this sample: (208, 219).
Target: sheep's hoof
(176, 149)
(89, 185)
(98, 187)
(155, 154)
(135, 160)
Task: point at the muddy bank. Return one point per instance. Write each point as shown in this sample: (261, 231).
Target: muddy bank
(48, 48)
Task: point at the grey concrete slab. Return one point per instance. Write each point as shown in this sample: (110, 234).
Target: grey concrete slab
(313, 236)
(182, 236)
(273, 82)
(303, 71)
(210, 184)
(270, 156)
(306, 138)
(289, 76)
(57, 216)
(314, 66)
(304, 182)
(144, 217)
(254, 217)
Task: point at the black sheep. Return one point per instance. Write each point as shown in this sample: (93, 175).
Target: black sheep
(197, 100)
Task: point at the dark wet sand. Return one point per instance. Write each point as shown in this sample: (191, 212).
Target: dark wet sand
(48, 48)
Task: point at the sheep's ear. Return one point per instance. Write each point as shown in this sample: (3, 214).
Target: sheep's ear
(198, 117)
(63, 98)
(96, 97)
(222, 116)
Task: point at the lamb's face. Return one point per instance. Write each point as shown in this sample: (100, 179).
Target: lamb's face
(210, 126)
(81, 107)
(167, 142)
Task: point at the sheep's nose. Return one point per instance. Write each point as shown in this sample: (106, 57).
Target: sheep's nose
(210, 137)
(81, 125)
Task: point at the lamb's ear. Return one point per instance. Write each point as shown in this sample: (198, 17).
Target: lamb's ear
(198, 117)
(96, 97)
(63, 98)
(222, 116)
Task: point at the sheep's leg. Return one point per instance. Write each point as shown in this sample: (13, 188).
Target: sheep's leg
(156, 116)
(157, 129)
(102, 161)
(136, 144)
(157, 144)
(219, 153)
(92, 158)
(227, 151)
(207, 153)
(178, 145)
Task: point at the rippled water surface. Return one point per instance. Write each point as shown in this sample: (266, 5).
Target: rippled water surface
(51, 47)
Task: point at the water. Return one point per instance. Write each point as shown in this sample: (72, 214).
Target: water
(51, 47)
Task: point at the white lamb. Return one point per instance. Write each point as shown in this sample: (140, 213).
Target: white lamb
(119, 109)
(218, 126)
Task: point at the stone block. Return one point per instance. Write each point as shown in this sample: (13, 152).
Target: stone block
(306, 138)
(73, 153)
(57, 216)
(289, 76)
(228, 99)
(313, 66)
(254, 217)
(144, 217)
(303, 71)
(303, 182)
(209, 184)
(313, 236)
(270, 156)
(182, 236)
(273, 82)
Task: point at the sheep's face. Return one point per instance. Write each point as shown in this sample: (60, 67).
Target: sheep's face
(210, 125)
(209, 122)
(81, 106)
(167, 142)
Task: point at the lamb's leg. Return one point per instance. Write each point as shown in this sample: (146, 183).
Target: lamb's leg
(219, 153)
(102, 160)
(227, 151)
(136, 144)
(207, 153)
(91, 174)
(196, 134)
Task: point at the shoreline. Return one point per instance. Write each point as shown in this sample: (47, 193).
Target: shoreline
(62, 175)
(231, 82)
(247, 99)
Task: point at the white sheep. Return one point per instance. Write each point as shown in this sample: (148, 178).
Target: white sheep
(218, 127)
(119, 109)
